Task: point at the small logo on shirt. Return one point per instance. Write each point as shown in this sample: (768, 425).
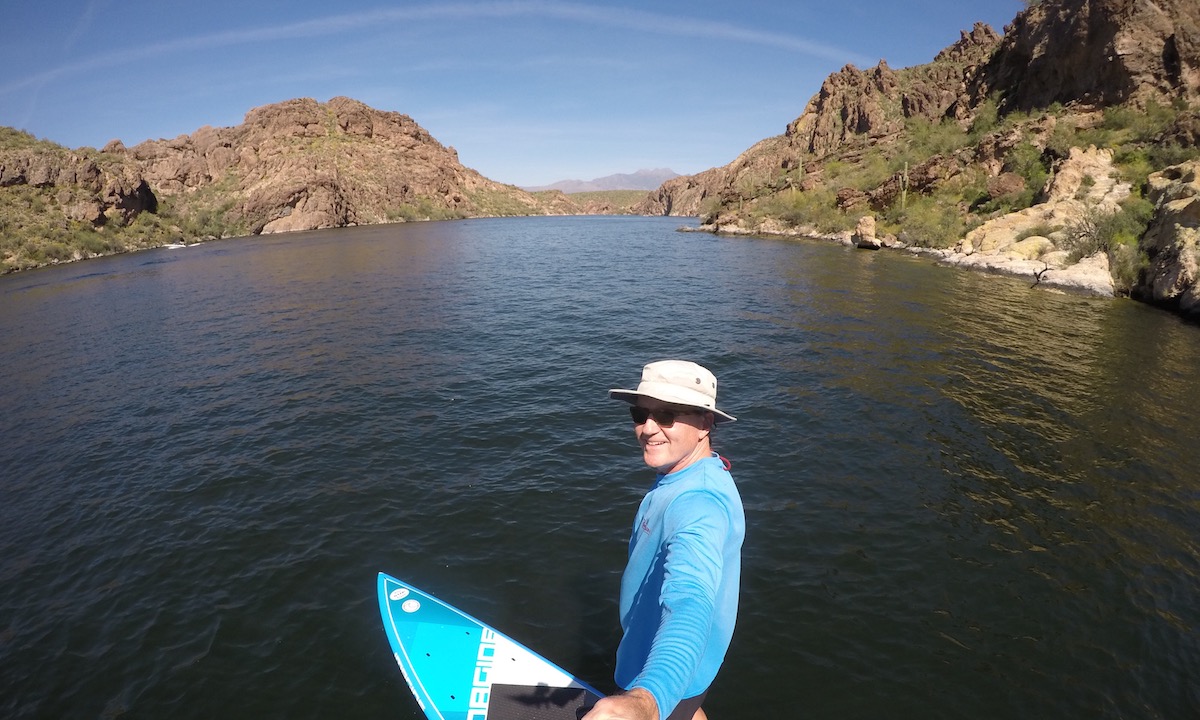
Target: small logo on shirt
(645, 526)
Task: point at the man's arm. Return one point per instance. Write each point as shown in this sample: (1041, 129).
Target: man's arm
(698, 525)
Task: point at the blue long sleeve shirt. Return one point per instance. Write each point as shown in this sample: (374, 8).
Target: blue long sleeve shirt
(679, 592)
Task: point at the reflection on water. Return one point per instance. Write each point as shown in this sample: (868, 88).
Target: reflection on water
(964, 498)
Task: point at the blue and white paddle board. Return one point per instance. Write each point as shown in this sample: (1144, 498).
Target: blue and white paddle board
(461, 669)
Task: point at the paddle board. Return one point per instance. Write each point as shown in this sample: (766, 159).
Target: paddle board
(458, 668)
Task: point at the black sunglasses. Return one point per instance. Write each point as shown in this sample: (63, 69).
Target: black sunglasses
(662, 418)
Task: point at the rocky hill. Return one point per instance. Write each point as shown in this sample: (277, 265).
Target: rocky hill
(303, 165)
(296, 165)
(1030, 152)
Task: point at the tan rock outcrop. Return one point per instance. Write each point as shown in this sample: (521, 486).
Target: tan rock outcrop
(1171, 242)
(864, 234)
(1085, 182)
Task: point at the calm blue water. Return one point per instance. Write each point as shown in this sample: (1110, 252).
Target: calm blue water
(964, 498)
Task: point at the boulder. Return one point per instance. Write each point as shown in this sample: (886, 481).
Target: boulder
(864, 234)
(1005, 185)
(1031, 248)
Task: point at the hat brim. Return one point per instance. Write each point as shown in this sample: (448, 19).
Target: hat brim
(667, 395)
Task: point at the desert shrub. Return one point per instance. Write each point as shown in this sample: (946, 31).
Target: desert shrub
(426, 209)
(973, 188)
(1119, 117)
(926, 138)
(987, 118)
(1064, 137)
(13, 139)
(1163, 155)
(815, 208)
(1133, 164)
(1040, 230)
(1125, 264)
(931, 222)
(92, 243)
(870, 173)
(1025, 160)
(709, 209)
(1139, 125)
(1098, 231)
(57, 251)
(1028, 161)
(834, 171)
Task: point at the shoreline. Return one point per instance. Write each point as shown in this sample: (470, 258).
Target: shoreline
(1089, 276)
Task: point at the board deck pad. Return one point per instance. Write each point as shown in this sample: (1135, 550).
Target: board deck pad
(459, 668)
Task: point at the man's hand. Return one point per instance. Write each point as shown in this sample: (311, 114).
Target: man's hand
(637, 704)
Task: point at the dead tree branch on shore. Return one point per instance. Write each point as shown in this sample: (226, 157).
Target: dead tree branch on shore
(1037, 275)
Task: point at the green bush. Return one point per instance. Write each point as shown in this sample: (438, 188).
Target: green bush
(1041, 230)
(1028, 161)
(1139, 126)
(987, 118)
(1162, 155)
(933, 222)
(57, 251)
(1097, 231)
(710, 208)
(816, 208)
(1133, 164)
(927, 138)
(1125, 264)
(94, 243)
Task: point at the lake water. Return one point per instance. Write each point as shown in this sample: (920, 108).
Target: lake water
(964, 498)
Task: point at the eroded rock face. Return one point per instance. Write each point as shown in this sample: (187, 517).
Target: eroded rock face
(85, 190)
(1171, 241)
(856, 105)
(1103, 52)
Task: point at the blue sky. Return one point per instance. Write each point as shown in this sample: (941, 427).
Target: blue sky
(528, 92)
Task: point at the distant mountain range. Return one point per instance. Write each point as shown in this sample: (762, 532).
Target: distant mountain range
(640, 180)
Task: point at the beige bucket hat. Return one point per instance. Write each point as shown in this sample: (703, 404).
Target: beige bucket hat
(679, 382)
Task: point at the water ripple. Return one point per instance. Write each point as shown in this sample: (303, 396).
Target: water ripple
(963, 498)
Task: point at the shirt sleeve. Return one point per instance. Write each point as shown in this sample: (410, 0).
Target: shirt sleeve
(696, 525)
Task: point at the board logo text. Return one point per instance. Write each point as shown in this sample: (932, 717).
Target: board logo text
(481, 685)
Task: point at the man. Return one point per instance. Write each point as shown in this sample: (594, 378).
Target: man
(679, 592)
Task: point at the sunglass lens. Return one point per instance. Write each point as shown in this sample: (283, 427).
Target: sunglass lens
(663, 418)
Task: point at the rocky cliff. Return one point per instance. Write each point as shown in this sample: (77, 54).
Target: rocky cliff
(853, 111)
(1172, 242)
(1009, 153)
(88, 191)
(855, 107)
(1098, 52)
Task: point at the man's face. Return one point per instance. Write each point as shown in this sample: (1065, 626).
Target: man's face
(671, 446)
